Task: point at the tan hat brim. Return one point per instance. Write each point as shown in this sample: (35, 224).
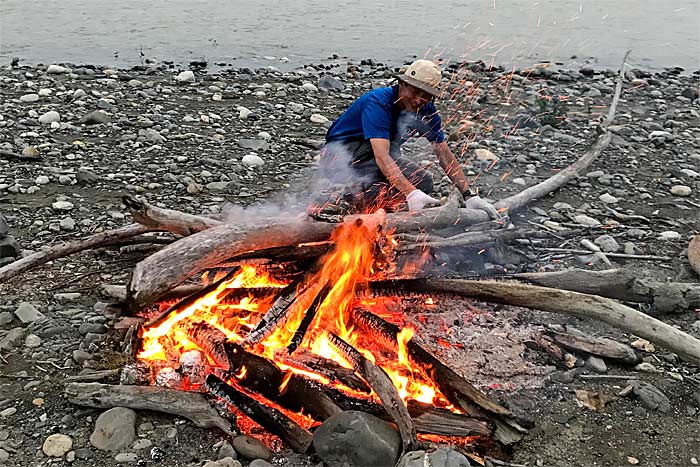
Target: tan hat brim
(433, 91)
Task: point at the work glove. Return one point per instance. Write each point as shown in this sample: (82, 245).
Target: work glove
(417, 200)
(475, 202)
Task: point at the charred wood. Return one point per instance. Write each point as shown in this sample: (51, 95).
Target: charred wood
(601, 347)
(297, 437)
(291, 391)
(436, 421)
(307, 361)
(279, 312)
(308, 318)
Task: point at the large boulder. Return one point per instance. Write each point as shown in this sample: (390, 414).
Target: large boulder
(357, 439)
(115, 429)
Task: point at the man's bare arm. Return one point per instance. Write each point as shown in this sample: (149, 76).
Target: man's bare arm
(449, 164)
(388, 166)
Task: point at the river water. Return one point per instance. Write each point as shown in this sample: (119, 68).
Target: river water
(288, 33)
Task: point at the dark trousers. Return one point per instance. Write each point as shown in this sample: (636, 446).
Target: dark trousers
(351, 163)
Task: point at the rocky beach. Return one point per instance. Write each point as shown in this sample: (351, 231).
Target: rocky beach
(236, 143)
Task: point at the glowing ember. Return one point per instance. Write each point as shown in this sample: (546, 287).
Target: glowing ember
(362, 252)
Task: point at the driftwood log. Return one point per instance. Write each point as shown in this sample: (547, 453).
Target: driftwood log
(598, 346)
(620, 284)
(101, 239)
(173, 221)
(190, 405)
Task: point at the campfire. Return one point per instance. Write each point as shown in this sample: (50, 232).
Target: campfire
(290, 346)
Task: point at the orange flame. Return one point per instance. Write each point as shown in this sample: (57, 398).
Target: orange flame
(361, 252)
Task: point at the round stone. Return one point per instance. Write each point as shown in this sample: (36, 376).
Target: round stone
(67, 224)
(681, 190)
(608, 198)
(126, 457)
(29, 97)
(32, 341)
(42, 180)
(485, 155)
(56, 70)
(62, 205)
(251, 160)
(250, 448)
(50, 117)
(186, 77)
(318, 118)
(57, 445)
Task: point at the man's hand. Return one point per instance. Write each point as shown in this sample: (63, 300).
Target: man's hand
(417, 200)
(476, 202)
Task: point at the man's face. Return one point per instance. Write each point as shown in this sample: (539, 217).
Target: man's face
(411, 99)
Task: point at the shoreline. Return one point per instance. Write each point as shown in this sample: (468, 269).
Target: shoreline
(284, 65)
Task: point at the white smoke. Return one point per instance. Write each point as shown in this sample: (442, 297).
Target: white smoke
(318, 184)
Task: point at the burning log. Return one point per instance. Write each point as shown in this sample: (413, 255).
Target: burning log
(291, 391)
(454, 387)
(169, 267)
(184, 404)
(192, 298)
(209, 339)
(305, 360)
(380, 382)
(278, 313)
(269, 418)
(291, 253)
(309, 316)
(234, 296)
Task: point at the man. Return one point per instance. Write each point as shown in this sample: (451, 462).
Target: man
(363, 145)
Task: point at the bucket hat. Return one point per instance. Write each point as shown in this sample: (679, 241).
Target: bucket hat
(424, 75)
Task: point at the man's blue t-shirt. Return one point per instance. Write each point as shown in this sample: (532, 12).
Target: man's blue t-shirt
(375, 115)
